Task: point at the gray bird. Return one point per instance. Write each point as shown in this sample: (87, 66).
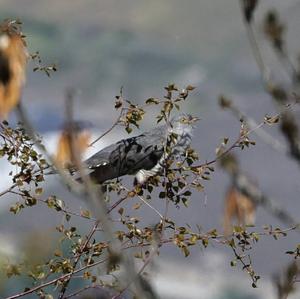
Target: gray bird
(142, 155)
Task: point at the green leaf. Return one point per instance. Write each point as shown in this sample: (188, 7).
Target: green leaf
(233, 263)
(185, 201)
(39, 191)
(162, 194)
(16, 208)
(30, 201)
(152, 101)
(128, 130)
(187, 193)
(205, 242)
(85, 213)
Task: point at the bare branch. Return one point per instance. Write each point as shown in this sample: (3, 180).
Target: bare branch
(109, 130)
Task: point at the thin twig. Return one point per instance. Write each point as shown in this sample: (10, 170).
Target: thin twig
(256, 128)
(109, 130)
(265, 72)
(22, 179)
(222, 155)
(149, 258)
(76, 293)
(146, 203)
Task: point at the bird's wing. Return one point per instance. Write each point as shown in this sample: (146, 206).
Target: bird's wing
(128, 156)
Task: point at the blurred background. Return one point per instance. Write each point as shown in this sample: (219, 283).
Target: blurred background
(100, 46)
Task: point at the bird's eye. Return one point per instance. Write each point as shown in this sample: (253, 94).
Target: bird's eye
(183, 120)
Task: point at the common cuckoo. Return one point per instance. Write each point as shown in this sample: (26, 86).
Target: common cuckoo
(142, 155)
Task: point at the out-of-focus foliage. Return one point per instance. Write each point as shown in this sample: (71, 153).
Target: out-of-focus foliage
(240, 207)
(71, 133)
(13, 58)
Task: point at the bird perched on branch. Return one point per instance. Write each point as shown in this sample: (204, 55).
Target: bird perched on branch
(143, 155)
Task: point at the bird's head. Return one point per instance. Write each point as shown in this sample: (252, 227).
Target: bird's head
(183, 123)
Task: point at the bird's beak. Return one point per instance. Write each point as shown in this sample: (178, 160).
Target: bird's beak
(195, 118)
(189, 119)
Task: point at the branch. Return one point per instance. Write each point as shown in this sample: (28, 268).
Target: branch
(138, 245)
(53, 281)
(109, 130)
(220, 156)
(67, 179)
(83, 289)
(66, 276)
(256, 128)
(145, 202)
(75, 187)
